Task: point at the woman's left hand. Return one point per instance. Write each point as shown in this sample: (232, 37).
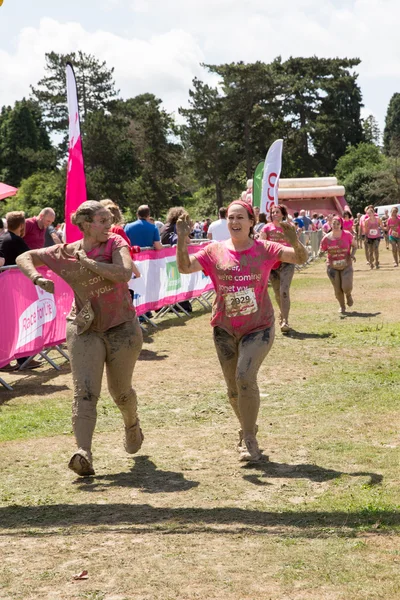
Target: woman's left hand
(80, 255)
(289, 231)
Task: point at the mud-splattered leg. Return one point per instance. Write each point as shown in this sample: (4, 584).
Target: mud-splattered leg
(227, 351)
(286, 276)
(123, 344)
(335, 279)
(375, 247)
(253, 348)
(87, 354)
(275, 279)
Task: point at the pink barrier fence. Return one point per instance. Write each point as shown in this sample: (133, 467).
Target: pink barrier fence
(32, 319)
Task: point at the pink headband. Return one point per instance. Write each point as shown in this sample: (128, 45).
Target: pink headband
(245, 205)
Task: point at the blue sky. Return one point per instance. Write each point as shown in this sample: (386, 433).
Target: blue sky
(157, 46)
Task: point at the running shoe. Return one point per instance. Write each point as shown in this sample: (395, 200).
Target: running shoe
(81, 463)
(285, 327)
(395, 264)
(371, 265)
(133, 438)
(349, 299)
(377, 266)
(251, 452)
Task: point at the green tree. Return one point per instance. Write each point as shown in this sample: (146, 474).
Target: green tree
(25, 146)
(109, 154)
(321, 104)
(207, 140)
(158, 152)
(94, 82)
(44, 188)
(391, 133)
(363, 156)
(371, 131)
(251, 109)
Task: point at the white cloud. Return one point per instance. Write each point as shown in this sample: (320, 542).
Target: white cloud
(184, 33)
(164, 64)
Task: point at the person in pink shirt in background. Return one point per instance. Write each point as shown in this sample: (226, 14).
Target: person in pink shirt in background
(362, 230)
(348, 222)
(327, 227)
(281, 273)
(393, 224)
(243, 316)
(35, 228)
(341, 247)
(373, 232)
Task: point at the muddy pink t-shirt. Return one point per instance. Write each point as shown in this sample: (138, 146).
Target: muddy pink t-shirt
(372, 228)
(394, 226)
(275, 234)
(348, 225)
(338, 249)
(110, 301)
(242, 304)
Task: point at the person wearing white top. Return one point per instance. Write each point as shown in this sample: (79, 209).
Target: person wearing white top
(218, 230)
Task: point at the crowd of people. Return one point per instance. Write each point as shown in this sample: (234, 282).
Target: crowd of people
(248, 251)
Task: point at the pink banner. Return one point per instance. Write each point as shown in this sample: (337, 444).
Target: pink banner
(30, 318)
(75, 192)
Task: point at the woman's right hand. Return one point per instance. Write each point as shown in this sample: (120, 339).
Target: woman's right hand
(46, 284)
(183, 226)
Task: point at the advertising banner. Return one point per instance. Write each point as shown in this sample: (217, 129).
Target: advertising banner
(32, 319)
(272, 171)
(75, 192)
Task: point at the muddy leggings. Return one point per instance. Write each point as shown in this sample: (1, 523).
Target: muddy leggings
(373, 251)
(342, 282)
(118, 348)
(395, 243)
(240, 361)
(281, 279)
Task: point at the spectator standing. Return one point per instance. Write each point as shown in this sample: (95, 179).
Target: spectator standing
(298, 221)
(218, 230)
(141, 232)
(206, 225)
(306, 220)
(35, 228)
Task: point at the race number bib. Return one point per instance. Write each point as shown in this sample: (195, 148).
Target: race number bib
(339, 264)
(241, 303)
(373, 232)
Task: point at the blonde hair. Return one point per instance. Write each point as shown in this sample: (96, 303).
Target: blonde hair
(85, 213)
(114, 210)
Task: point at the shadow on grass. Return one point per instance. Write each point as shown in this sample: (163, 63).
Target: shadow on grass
(151, 355)
(143, 475)
(300, 335)
(231, 520)
(364, 315)
(35, 382)
(302, 471)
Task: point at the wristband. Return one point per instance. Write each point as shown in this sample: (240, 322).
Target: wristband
(35, 278)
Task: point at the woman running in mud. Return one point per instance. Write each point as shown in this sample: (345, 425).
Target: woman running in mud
(282, 272)
(393, 224)
(243, 317)
(102, 328)
(372, 228)
(341, 247)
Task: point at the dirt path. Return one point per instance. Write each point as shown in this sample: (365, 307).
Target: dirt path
(183, 519)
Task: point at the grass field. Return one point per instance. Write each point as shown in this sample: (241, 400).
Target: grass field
(184, 520)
